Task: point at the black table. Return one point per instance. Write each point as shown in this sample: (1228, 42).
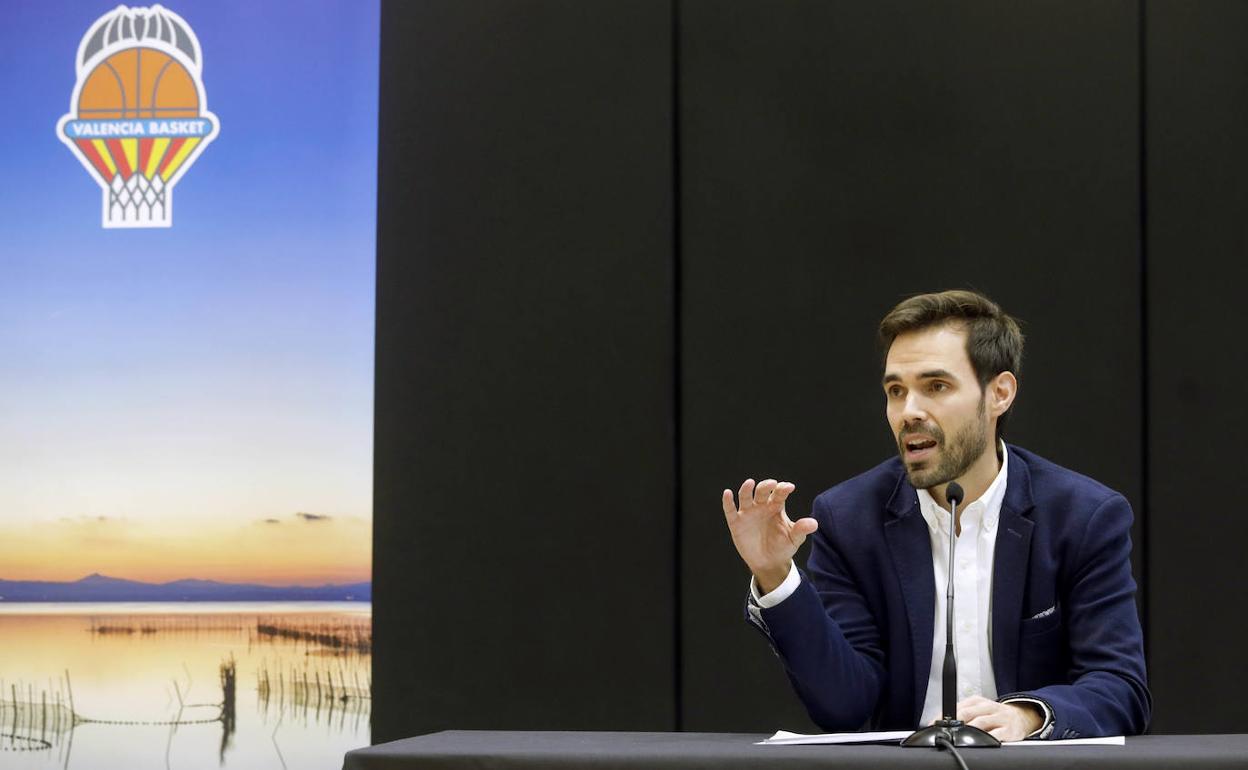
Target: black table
(480, 750)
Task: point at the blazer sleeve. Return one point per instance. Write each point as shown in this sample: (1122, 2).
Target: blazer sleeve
(827, 639)
(1108, 693)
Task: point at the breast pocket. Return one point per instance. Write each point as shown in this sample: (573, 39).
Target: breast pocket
(1042, 622)
(1042, 651)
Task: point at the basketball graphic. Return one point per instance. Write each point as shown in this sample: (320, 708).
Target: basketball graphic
(138, 116)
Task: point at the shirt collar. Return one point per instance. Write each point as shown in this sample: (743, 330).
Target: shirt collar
(988, 505)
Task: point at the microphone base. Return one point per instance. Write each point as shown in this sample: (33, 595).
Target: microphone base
(957, 732)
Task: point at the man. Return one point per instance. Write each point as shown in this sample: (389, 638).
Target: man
(1048, 638)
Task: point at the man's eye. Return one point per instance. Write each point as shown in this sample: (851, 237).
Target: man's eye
(940, 387)
(894, 391)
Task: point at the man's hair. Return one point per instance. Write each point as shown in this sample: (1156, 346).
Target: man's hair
(994, 343)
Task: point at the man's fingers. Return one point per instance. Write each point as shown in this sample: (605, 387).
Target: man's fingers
(996, 719)
(987, 722)
(730, 509)
(976, 705)
(762, 493)
(805, 526)
(768, 492)
(783, 490)
(998, 726)
(800, 530)
(745, 495)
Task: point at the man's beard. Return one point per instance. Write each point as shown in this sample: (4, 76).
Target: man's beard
(955, 458)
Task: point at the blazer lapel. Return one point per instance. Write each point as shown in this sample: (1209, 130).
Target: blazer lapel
(911, 547)
(1009, 573)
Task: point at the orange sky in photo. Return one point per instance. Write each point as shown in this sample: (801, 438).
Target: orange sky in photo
(296, 549)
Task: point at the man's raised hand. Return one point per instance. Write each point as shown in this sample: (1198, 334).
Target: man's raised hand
(763, 533)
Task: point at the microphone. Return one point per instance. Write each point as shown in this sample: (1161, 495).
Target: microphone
(953, 493)
(949, 730)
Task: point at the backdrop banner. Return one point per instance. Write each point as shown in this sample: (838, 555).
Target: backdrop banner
(187, 394)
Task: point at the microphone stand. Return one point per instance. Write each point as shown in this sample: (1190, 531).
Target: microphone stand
(949, 729)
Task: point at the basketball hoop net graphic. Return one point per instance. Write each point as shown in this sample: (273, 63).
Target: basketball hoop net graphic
(138, 117)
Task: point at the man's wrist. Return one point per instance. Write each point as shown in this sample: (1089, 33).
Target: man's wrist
(770, 579)
(1033, 715)
(774, 597)
(1042, 728)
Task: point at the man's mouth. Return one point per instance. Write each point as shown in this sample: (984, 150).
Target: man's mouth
(919, 448)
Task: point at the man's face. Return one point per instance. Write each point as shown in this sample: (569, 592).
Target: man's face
(935, 405)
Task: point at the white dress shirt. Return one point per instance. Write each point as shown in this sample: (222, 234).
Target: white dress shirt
(973, 562)
(972, 584)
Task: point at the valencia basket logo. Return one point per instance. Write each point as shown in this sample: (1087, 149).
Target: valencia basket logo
(138, 118)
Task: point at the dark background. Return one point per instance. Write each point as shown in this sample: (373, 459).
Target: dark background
(633, 251)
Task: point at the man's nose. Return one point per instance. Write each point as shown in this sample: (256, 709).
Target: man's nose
(914, 410)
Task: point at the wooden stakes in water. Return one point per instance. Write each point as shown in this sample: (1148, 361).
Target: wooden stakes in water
(342, 635)
(229, 677)
(31, 718)
(146, 625)
(318, 690)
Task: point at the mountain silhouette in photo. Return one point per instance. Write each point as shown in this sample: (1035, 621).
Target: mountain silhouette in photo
(101, 588)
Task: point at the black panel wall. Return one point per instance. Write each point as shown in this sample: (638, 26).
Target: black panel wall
(836, 157)
(524, 503)
(633, 251)
(1197, 183)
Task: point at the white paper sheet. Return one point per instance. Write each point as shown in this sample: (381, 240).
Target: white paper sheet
(785, 738)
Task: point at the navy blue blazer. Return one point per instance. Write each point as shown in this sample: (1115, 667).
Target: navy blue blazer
(856, 636)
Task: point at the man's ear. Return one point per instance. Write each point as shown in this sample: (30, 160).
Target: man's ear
(1002, 390)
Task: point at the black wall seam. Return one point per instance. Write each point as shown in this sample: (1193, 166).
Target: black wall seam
(1145, 391)
(677, 464)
